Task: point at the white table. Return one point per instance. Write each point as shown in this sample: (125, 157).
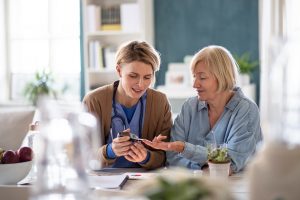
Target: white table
(237, 184)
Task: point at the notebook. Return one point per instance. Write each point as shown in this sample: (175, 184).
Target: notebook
(107, 182)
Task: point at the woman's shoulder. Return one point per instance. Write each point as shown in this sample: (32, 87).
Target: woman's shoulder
(244, 101)
(99, 93)
(156, 95)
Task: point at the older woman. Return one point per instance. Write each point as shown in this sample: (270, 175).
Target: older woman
(129, 104)
(221, 113)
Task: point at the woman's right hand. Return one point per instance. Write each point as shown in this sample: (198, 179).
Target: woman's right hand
(158, 143)
(121, 145)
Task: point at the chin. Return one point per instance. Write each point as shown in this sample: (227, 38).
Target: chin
(135, 95)
(201, 98)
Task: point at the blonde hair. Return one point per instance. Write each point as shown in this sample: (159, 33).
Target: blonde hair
(138, 51)
(220, 63)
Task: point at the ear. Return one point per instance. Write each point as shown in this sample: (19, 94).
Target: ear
(119, 69)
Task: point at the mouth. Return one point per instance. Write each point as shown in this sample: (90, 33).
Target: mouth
(199, 91)
(137, 91)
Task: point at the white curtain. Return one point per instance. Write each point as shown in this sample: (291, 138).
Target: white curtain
(279, 49)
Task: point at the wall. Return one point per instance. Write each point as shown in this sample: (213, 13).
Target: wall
(184, 27)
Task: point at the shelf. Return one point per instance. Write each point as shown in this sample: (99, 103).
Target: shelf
(107, 71)
(112, 33)
(100, 47)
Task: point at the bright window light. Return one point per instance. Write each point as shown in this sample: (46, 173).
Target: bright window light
(44, 34)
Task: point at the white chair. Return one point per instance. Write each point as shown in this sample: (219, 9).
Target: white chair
(14, 122)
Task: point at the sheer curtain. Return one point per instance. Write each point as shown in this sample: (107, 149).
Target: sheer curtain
(280, 83)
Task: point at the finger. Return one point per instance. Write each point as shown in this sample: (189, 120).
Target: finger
(139, 150)
(118, 149)
(117, 146)
(149, 143)
(161, 137)
(154, 139)
(127, 130)
(122, 139)
(129, 158)
(133, 155)
(123, 153)
(136, 150)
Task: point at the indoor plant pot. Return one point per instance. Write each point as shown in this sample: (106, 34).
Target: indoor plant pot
(218, 160)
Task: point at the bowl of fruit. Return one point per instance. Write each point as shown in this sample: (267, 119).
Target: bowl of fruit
(15, 165)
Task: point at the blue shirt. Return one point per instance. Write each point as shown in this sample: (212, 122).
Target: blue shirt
(133, 124)
(238, 127)
(129, 112)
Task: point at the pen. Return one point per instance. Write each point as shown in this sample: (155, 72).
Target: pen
(136, 175)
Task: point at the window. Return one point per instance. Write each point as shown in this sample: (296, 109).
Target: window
(43, 34)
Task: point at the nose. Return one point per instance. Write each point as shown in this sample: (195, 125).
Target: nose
(140, 82)
(196, 83)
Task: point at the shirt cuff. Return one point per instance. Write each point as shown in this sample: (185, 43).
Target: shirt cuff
(188, 150)
(109, 152)
(146, 159)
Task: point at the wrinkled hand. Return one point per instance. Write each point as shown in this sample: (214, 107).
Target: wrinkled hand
(157, 143)
(137, 152)
(121, 146)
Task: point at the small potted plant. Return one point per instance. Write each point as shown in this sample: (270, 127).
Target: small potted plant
(218, 160)
(246, 67)
(43, 84)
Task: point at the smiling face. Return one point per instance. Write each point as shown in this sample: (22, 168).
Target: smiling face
(135, 78)
(204, 82)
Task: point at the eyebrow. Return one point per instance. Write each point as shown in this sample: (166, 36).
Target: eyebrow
(139, 74)
(200, 73)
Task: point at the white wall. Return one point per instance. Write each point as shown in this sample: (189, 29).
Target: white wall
(3, 67)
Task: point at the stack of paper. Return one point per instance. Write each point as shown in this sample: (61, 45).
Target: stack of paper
(108, 182)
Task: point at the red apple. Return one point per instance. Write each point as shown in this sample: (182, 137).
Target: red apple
(10, 157)
(25, 154)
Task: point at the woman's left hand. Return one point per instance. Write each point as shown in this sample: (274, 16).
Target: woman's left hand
(137, 153)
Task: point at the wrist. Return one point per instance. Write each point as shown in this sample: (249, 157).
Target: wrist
(180, 147)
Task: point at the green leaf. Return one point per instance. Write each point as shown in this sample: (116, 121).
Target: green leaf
(246, 65)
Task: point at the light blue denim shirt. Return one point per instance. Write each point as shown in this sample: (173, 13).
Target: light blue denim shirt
(238, 127)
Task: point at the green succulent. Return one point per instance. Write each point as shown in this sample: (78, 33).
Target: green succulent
(218, 154)
(246, 65)
(43, 84)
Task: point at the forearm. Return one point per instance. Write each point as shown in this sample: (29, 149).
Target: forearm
(190, 155)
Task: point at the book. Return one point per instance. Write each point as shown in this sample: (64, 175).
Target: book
(107, 181)
(130, 17)
(93, 17)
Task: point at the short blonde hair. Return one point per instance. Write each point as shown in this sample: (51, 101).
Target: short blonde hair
(220, 63)
(138, 51)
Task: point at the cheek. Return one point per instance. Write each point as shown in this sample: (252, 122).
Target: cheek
(147, 83)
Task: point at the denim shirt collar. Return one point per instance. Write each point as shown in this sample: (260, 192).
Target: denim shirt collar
(236, 98)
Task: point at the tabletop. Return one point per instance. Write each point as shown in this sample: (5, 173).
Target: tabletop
(237, 183)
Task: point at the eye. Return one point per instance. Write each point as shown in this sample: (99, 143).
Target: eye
(132, 75)
(147, 77)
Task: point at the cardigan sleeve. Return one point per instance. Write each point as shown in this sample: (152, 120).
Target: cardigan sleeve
(93, 105)
(158, 157)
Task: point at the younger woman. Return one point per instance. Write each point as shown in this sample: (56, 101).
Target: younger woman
(129, 104)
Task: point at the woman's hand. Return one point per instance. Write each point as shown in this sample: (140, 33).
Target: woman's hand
(157, 143)
(121, 146)
(137, 152)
